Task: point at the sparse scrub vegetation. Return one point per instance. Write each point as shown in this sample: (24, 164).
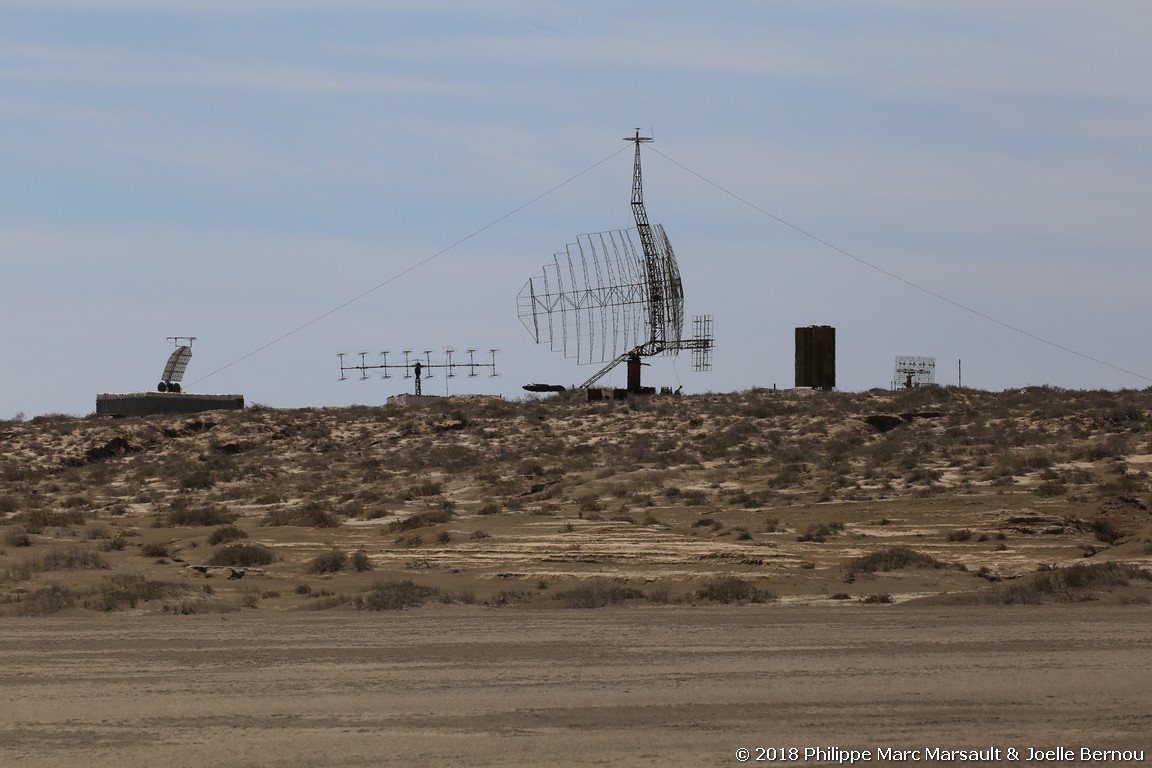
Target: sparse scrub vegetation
(734, 590)
(66, 558)
(156, 549)
(225, 534)
(129, 590)
(819, 532)
(1054, 468)
(308, 515)
(891, 559)
(328, 562)
(421, 520)
(46, 601)
(596, 593)
(242, 555)
(397, 595)
(199, 516)
(1065, 585)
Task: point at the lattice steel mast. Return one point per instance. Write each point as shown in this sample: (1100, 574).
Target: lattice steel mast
(652, 260)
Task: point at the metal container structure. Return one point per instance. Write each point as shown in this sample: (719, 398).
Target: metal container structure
(816, 357)
(162, 403)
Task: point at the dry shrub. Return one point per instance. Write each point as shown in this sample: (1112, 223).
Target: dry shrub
(421, 520)
(819, 532)
(225, 534)
(198, 516)
(422, 490)
(242, 555)
(328, 562)
(891, 559)
(36, 520)
(131, 589)
(597, 594)
(46, 601)
(310, 515)
(397, 595)
(1105, 531)
(1073, 584)
(158, 549)
(18, 539)
(62, 559)
(734, 590)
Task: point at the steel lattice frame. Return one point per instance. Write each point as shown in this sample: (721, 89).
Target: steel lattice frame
(603, 298)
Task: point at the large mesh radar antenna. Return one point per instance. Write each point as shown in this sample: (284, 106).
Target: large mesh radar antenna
(177, 364)
(912, 372)
(604, 300)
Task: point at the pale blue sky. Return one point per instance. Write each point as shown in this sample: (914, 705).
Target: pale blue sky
(234, 170)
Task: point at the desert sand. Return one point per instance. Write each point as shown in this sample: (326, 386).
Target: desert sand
(661, 581)
(655, 686)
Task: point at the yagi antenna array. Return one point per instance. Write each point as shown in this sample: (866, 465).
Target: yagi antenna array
(414, 367)
(604, 300)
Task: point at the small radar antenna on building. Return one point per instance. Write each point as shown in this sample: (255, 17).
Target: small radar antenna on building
(419, 369)
(177, 364)
(605, 300)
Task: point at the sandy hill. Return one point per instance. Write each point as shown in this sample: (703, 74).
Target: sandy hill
(934, 494)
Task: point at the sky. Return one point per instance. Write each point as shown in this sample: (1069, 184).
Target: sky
(289, 179)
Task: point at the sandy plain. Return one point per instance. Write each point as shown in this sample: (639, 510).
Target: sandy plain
(638, 686)
(131, 636)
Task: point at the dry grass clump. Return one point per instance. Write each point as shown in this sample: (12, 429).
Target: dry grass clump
(17, 539)
(309, 515)
(129, 590)
(398, 595)
(46, 600)
(36, 520)
(421, 520)
(596, 594)
(1073, 584)
(328, 562)
(157, 549)
(734, 590)
(71, 557)
(421, 490)
(199, 516)
(242, 555)
(891, 559)
(225, 534)
(819, 532)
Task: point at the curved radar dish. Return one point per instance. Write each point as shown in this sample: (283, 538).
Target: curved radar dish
(601, 297)
(606, 299)
(174, 369)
